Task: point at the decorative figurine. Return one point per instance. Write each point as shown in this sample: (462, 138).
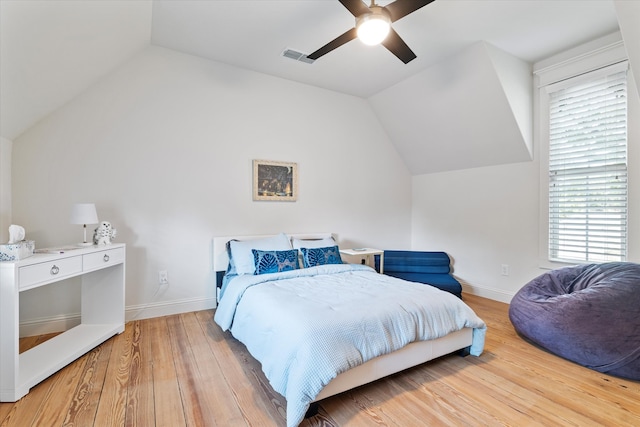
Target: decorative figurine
(104, 233)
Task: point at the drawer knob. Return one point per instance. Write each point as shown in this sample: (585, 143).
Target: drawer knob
(55, 270)
(105, 258)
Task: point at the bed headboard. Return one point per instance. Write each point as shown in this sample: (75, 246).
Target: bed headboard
(221, 260)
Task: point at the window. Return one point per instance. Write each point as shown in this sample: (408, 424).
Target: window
(587, 167)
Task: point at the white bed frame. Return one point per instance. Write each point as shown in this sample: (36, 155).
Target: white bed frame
(411, 355)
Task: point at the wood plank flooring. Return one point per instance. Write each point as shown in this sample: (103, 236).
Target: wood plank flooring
(183, 371)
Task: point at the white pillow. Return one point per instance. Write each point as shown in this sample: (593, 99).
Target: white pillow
(313, 243)
(243, 257)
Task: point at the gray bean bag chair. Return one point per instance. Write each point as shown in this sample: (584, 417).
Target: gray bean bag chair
(589, 314)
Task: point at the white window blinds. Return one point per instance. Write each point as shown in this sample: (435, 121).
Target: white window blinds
(588, 169)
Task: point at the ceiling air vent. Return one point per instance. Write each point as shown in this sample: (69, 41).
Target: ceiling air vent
(297, 56)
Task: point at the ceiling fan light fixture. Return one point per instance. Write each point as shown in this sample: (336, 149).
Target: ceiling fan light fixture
(373, 28)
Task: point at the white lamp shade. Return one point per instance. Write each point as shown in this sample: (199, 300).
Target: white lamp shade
(84, 213)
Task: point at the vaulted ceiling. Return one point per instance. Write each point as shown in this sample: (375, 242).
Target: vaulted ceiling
(253, 34)
(52, 50)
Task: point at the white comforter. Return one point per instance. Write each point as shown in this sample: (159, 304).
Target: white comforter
(307, 326)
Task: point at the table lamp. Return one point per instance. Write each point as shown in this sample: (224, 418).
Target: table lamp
(84, 213)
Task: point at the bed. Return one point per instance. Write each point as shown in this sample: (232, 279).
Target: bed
(328, 327)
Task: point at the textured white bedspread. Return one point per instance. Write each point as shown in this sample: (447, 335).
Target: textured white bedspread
(307, 326)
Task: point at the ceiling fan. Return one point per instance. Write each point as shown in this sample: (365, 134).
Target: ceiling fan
(376, 20)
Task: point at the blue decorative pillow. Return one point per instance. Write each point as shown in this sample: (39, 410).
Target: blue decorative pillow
(320, 256)
(274, 261)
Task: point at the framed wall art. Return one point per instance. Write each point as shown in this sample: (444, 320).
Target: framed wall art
(276, 181)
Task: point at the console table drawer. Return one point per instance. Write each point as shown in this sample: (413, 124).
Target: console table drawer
(102, 259)
(48, 271)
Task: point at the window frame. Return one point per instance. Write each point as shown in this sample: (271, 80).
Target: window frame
(583, 63)
(616, 69)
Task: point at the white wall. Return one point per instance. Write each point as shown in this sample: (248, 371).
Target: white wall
(628, 17)
(164, 147)
(5, 188)
(487, 217)
(482, 218)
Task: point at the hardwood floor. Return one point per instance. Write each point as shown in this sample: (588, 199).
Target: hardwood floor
(183, 371)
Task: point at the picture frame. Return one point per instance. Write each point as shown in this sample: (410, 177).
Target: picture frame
(275, 181)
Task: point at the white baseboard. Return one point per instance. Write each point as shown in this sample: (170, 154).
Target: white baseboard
(159, 309)
(47, 325)
(491, 293)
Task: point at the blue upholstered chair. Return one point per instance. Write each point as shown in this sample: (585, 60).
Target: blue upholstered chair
(432, 268)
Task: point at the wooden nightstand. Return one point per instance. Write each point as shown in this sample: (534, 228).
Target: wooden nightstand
(364, 256)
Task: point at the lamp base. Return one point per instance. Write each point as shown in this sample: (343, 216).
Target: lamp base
(84, 244)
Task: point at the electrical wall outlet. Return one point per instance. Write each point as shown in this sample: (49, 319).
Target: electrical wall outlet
(163, 278)
(505, 269)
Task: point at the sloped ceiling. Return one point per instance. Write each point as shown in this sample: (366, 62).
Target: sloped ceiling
(52, 50)
(460, 114)
(253, 35)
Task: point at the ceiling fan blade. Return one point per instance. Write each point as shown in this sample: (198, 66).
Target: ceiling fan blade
(398, 47)
(334, 44)
(401, 8)
(356, 7)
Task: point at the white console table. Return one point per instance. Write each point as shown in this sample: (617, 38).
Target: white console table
(102, 272)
